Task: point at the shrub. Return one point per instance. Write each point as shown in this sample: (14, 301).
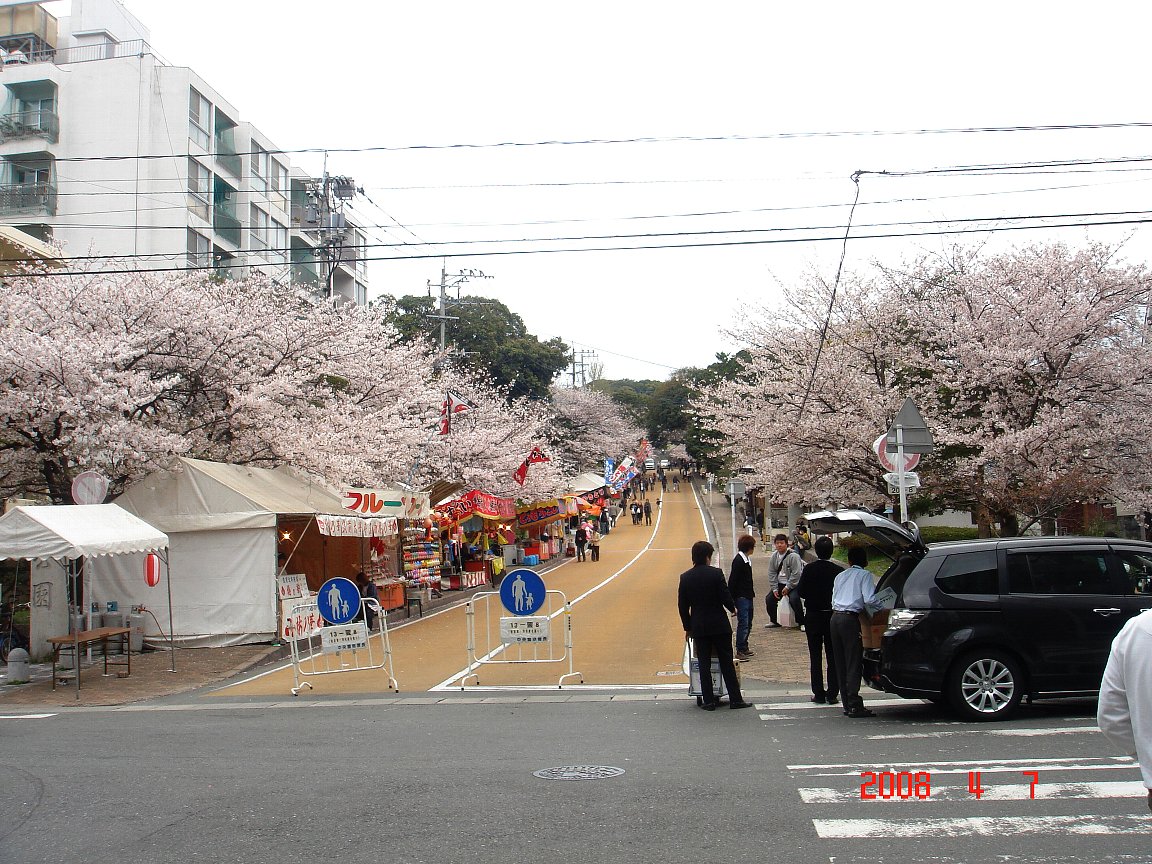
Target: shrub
(942, 533)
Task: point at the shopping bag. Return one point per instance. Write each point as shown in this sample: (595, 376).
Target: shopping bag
(784, 614)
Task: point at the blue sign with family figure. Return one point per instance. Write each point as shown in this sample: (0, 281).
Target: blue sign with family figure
(522, 592)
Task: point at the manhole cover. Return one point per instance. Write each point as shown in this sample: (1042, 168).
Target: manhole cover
(578, 772)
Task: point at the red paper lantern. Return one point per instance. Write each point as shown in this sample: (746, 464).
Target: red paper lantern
(152, 569)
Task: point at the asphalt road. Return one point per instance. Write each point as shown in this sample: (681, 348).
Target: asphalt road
(451, 779)
(352, 771)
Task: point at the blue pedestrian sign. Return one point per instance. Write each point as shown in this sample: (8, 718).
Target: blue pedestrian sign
(338, 600)
(522, 592)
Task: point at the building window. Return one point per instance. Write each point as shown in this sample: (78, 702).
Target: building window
(259, 168)
(199, 250)
(278, 243)
(258, 230)
(280, 185)
(199, 118)
(199, 189)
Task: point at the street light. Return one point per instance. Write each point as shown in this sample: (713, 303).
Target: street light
(736, 489)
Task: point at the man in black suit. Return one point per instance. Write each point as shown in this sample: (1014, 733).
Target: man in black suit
(705, 602)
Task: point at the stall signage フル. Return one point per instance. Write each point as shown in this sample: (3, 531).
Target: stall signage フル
(387, 502)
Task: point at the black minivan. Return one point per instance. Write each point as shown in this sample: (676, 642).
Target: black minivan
(980, 624)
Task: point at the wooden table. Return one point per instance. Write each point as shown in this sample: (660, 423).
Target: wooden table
(73, 641)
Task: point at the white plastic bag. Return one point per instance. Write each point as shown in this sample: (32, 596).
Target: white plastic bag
(784, 614)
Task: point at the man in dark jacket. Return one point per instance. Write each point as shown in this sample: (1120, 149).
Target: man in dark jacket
(815, 589)
(704, 602)
(740, 584)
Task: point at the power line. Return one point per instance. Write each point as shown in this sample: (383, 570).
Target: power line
(635, 248)
(671, 139)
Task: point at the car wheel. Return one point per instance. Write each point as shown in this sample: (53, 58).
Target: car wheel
(985, 685)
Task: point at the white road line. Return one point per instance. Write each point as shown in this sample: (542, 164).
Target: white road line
(991, 766)
(813, 706)
(1013, 792)
(25, 716)
(1008, 733)
(981, 826)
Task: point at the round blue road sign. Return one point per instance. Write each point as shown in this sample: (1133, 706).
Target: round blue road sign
(522, 592)
(338, 600)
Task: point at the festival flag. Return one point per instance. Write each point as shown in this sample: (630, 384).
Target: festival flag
(536, 456)
(452, 406)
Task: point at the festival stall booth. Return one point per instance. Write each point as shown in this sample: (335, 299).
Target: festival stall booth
(64, 543)
(233, 528)
(481, 525)
(542, 523)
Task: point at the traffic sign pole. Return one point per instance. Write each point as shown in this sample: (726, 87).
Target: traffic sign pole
(900, 473)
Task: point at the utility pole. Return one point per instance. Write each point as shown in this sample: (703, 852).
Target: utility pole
(578, 365)
(328, 196)
(449, 281)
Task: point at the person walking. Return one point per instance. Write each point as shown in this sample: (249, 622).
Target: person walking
(594, 543)
(815, 590)
(784, 569)
(743, 593)
(647, 512)
(1124, 713)
(703, 601)
(853, 589)
(581, 541)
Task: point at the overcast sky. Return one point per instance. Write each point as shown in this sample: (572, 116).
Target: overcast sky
(372, 74)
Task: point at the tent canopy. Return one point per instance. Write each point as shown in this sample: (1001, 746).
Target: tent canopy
(202, 496)
(587, 481)
(72, 531)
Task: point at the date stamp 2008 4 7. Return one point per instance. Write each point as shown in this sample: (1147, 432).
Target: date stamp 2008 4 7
(886, 785)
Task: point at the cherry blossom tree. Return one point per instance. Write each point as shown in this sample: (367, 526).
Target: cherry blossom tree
(1032, 369)
(589, 426)
(121, 372)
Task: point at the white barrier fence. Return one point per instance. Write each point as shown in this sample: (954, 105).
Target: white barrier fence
(322, 649)
(519, 638)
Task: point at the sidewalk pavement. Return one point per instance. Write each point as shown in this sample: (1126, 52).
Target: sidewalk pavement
(781, 656)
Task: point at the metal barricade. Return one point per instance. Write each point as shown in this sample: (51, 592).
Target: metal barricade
(322, 649)
(531, 638)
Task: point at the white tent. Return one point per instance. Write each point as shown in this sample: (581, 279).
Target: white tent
(587, 481)
(222, 523)
(75, 531)
(94, 532)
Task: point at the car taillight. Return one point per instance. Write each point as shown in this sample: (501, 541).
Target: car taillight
(904, 619)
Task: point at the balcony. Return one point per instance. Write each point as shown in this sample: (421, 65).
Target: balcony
(27, 199)
(226, 224)
(233, 163)
(30, 124)
(305, 274)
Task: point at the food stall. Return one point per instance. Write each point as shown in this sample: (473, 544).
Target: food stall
(480, 523)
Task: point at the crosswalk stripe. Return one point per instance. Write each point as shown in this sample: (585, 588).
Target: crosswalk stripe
(25, 716)
(1070, 763)
(1014, 792)
(981, 826)
(1005, 733)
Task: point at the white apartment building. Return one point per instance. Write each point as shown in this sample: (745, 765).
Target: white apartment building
(115, 154)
